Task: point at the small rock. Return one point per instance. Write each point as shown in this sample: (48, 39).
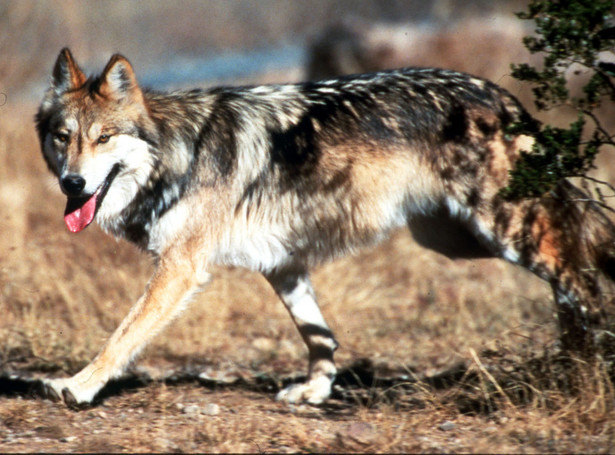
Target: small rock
(446, 426)
(171, 446)
(491, 429)
(263, 344)
(211, 409)
(361, 432)
(502, 419)
(68, 439)
(191, 409)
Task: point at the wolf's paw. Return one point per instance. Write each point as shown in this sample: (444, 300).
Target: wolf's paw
(45, 390)
(63, 389)
(314, 392)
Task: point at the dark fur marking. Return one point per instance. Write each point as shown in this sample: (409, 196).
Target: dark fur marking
(150, 204)
(502, 216)
(217, 136)
(93, 85)
(448, 173)
(458, 157)
(486, 127)
(295, 149)
(505, 117)
(474, 198)
(309, 330)
(340, 179)
(354, 113)
(252, 195)
(464, 163)
(455, 127)
(42, 128)
(320, 352)
(147, 136)
(606, 262)
(528, 250)
(137, 234)
(125, 83)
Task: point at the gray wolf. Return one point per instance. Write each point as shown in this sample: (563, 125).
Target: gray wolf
(278, 178)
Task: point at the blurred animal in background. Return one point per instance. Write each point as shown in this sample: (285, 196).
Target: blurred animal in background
(482, 47)
(279, 178)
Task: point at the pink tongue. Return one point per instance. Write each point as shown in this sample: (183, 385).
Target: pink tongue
(77, 216)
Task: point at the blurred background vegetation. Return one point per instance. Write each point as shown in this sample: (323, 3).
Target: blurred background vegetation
(153, 33)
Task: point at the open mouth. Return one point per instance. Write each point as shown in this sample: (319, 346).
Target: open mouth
(80, 211)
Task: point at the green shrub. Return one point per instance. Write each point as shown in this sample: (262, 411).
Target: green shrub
(576, 37)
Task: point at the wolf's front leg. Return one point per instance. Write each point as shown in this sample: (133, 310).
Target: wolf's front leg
(297, 293)
(173, 284)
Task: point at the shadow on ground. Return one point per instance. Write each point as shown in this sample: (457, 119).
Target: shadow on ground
(479, 388)
(359, 384)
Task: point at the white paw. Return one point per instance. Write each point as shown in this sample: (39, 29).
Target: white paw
(68, 390)
(314, 391)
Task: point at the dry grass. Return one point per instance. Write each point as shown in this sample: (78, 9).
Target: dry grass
(465, 353)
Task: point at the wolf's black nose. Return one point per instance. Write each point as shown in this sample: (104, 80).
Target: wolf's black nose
(73, 184)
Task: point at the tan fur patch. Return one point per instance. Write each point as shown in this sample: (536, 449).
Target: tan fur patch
(548, 245)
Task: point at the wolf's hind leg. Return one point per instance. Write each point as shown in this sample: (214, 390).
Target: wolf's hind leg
(297, 293)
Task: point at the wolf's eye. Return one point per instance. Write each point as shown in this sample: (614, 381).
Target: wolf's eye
(104, 138)
(62, 138)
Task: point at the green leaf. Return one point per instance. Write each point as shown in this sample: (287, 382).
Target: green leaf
(567, 32)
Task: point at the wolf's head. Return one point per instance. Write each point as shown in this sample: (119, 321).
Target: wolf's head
(95, 135)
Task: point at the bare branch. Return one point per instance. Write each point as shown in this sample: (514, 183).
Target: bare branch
(598, 125)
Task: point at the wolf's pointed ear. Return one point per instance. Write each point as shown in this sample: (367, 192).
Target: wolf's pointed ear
(66, 73)
(118, 79)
